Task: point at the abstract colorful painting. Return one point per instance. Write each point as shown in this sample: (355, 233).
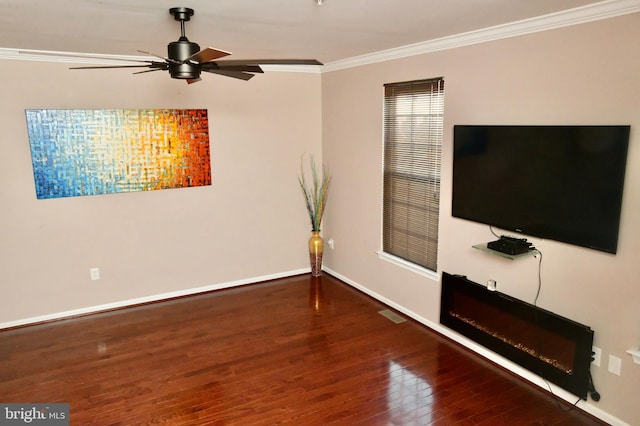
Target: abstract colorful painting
(89, 152)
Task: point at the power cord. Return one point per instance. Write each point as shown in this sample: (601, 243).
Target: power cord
(593, 393)
(592, 390)
(538, 254)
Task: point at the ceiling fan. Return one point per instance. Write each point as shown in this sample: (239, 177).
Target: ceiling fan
(185, 60)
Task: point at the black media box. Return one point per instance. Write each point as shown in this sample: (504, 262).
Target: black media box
(510, 246)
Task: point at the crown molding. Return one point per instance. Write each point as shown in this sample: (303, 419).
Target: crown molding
(593, 12)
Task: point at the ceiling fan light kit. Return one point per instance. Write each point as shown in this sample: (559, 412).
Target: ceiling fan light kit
(185, 60)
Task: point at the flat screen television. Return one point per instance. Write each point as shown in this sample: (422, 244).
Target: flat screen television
(563, 183)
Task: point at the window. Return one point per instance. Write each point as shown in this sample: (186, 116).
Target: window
(413, 128)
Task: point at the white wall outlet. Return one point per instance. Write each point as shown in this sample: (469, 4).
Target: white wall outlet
(330, 243)
(597, 356)
(615, 365)
(492, 285)
(94, 273)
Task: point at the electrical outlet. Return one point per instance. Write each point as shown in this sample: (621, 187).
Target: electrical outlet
(615, 365)
(330, 243)
(492, 285)
(94, 273)
(597, 356)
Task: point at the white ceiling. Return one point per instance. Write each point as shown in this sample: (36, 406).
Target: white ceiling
(337, 30)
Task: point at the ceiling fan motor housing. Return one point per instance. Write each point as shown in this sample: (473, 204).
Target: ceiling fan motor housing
(180, 51)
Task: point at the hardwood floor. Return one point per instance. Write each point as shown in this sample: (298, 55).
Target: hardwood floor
(299, 351)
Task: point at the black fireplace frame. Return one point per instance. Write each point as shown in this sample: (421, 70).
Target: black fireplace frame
(464, 303)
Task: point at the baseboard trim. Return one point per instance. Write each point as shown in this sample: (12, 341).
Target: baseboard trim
(145, 300)
(485, 353)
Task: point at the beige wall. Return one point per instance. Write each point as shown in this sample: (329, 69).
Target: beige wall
(249, 224)
(587, 74)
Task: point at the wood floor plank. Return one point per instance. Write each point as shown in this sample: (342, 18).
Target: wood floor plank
(294, 351)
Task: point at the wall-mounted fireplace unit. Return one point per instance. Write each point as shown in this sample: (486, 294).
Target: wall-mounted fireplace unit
(553, 347)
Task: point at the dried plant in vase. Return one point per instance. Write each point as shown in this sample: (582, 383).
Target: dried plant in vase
(315, 196)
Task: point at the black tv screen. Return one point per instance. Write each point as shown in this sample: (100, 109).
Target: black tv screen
(563, 183)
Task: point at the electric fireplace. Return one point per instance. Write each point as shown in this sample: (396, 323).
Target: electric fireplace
(555, 348)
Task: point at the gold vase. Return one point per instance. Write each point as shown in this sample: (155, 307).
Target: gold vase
(316, 246)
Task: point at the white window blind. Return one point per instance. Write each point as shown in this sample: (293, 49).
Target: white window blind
(413, 132)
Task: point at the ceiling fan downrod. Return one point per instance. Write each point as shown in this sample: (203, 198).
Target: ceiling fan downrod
(181, 14)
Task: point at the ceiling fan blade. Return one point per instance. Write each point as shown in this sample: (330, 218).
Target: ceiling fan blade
(244, 68)
(114, 66)
(208, 55)
(269, 62)
(173, 61)
(142, 72)
(234, 74)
